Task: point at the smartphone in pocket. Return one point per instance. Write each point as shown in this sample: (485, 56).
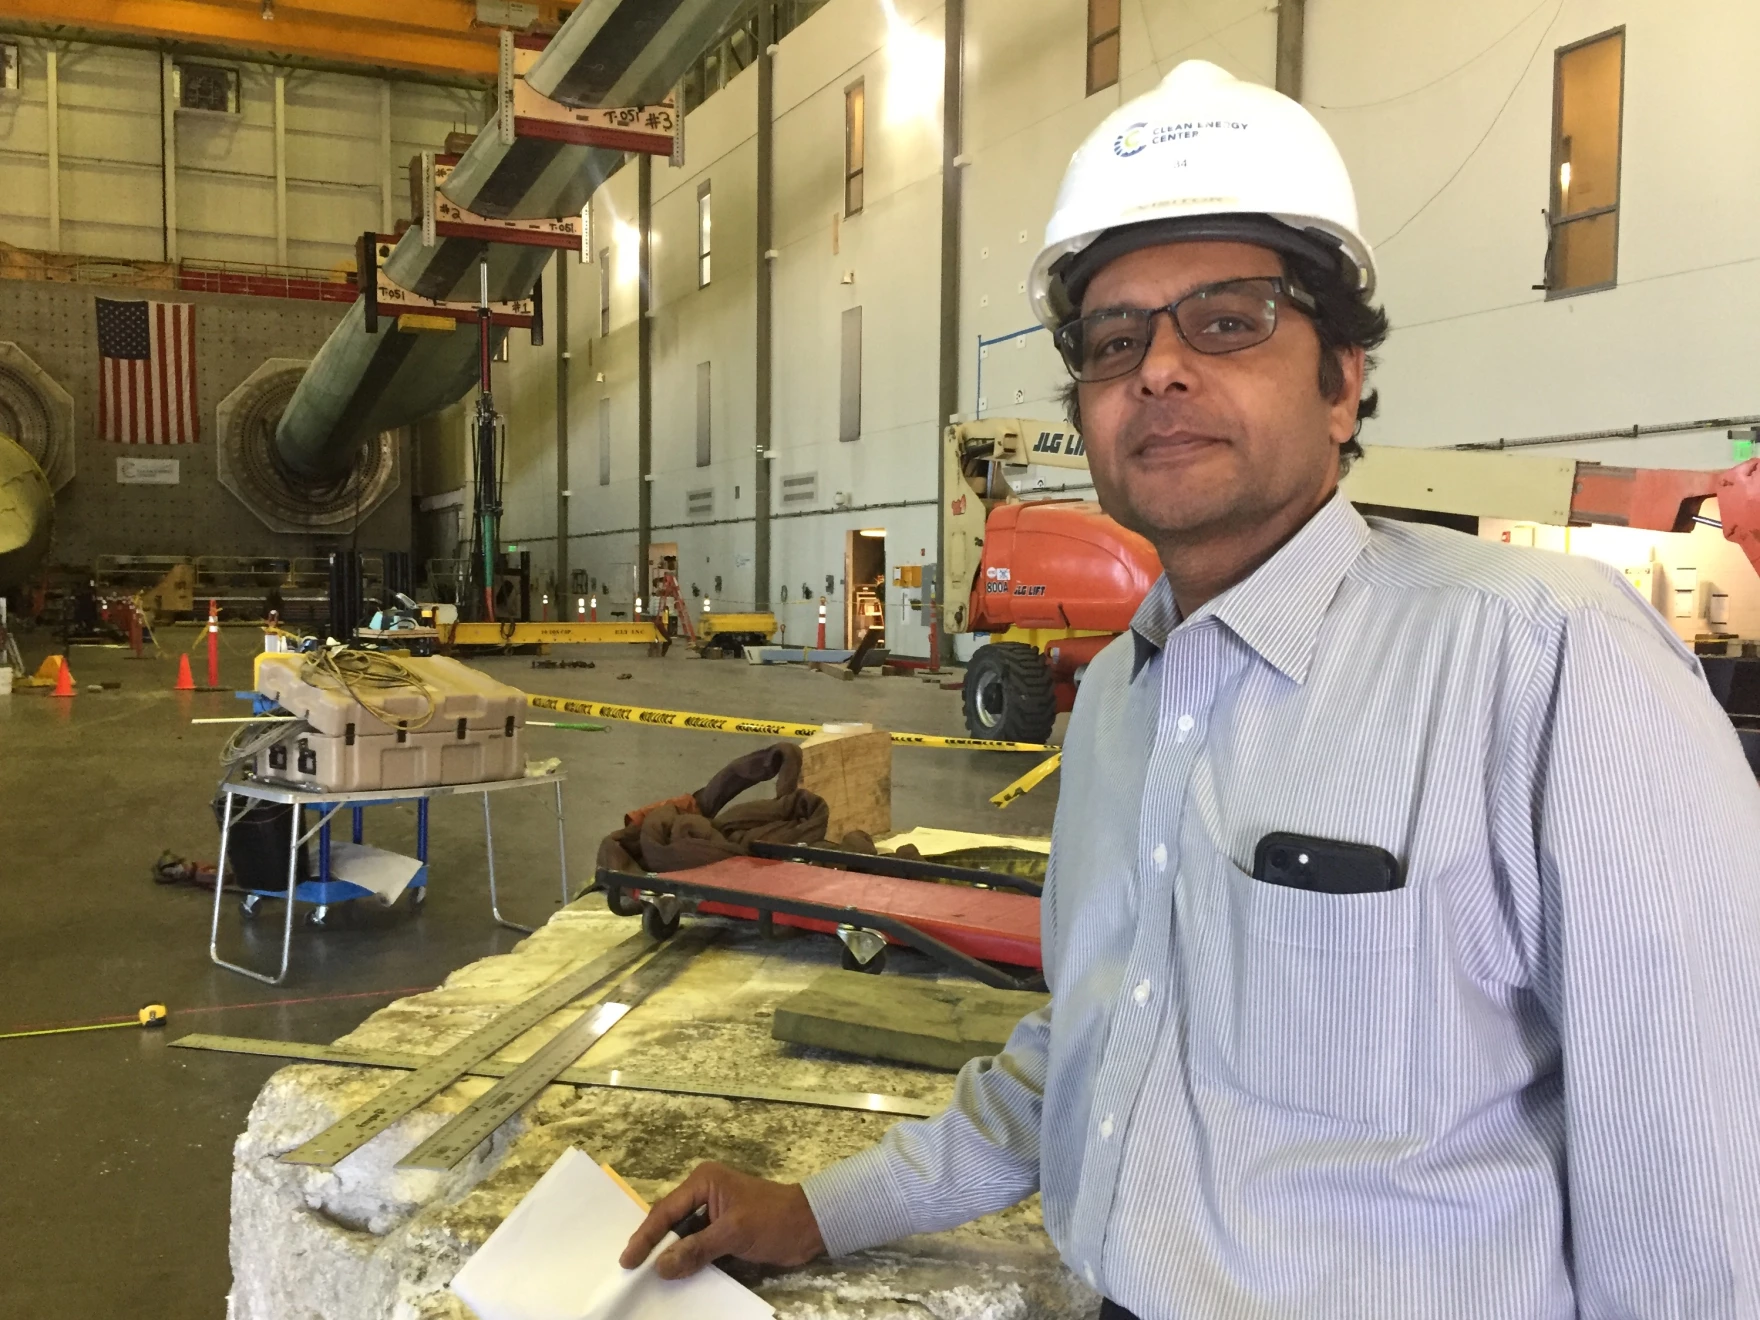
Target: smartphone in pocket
(1325, 866)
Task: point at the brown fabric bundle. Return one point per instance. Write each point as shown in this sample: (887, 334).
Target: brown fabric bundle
(679, 833)
(635, 818)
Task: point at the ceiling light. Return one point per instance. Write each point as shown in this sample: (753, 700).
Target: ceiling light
(914, 69)
(268, 11)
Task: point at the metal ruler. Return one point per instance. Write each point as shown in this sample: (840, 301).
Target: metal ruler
(610, 1078)
(355, 1129)
(477, 1121)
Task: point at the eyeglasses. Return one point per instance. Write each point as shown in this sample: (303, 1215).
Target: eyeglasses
(1215, 318)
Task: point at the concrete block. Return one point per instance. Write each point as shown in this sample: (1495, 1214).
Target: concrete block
(939, 1024)
(366, 1241)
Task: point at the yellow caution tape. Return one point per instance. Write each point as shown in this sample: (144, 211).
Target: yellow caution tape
(1029, 781)
(684, 719)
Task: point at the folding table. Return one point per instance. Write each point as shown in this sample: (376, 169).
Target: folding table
(326, 889)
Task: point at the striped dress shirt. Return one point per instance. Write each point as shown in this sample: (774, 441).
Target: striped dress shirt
(1524, 1086)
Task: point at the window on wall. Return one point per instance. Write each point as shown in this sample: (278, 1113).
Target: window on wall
(1587, 94)
(849, 394)
(702, 414)
(604, 291)
(604, 442)
(855, 150)
(703, 220)
(211, 88)
(1102, 44)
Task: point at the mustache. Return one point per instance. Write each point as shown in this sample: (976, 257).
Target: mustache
(1161, 419)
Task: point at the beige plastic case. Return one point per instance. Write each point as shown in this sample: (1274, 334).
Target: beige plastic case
(473, 736)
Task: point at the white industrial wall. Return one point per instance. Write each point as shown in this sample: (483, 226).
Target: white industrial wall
(338, 168)
(1477, 352)
(883, 260)
(1442, 112)
(1025, 113)
(1451, 154)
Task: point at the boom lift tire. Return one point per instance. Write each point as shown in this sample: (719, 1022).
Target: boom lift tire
(1009, 695)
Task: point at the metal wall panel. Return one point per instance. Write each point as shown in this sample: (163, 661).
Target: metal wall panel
(703, 414)
(110, 144)
(111, 198)
(849, 387)
(604, 442)
(56, 325)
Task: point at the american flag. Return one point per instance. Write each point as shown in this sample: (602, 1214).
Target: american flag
(146, 373)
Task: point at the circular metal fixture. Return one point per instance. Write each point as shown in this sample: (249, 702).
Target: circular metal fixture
(246, 421)
(37, 413)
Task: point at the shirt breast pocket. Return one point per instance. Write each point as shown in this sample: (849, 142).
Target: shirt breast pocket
(1307, 1000)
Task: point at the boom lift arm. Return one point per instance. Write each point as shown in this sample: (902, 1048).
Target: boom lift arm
(1052, 585)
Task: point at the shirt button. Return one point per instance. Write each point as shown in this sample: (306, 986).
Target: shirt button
(1142, 992)
(1185, 723)
(1159, 856)
(1088, 1274)
(1106, 1128)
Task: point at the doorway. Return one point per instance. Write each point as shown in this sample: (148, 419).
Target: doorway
(662, 563)
(864, 585)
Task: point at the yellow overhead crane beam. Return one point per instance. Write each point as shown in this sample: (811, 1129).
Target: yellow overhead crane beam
(526, 633)
(566, 632)
(427, 36)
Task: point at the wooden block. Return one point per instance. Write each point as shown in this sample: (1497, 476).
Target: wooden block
(853, 773)
(940, 1024)
(173, 594)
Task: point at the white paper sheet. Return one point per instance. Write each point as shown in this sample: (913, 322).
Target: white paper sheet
(387, 874)
(932, 842)
(552, 1257)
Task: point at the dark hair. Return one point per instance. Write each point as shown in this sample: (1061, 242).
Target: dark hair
(1343, 318)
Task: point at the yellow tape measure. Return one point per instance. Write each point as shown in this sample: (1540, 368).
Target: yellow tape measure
(153, 1015)
(684, 719)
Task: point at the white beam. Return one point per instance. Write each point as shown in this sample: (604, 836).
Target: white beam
(387, 217)
(168, 152)
(53, 112)
(280, 168)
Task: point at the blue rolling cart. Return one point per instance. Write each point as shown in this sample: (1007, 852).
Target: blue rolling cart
(326, 890)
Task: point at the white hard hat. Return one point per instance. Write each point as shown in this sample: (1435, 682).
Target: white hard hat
(1202, 155)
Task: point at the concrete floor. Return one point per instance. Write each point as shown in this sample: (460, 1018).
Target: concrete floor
(116, 1195)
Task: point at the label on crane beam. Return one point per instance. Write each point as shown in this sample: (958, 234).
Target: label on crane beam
(684, 719)
(653, 130)
(395, 299)
(445, 218)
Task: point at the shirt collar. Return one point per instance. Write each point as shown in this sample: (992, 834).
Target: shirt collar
(1277, 609)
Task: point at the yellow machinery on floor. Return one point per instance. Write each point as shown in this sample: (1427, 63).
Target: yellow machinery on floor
(726, 633)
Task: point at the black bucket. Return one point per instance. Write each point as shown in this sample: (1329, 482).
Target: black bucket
(256, 854)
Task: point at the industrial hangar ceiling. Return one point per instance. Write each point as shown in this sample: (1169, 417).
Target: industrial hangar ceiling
(437, 37)
(363, 382)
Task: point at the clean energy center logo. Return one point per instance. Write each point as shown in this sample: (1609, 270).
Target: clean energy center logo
(1132, 140)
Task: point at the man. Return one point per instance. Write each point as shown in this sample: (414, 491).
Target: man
(1477, 1043)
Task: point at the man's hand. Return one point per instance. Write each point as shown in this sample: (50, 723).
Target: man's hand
(768, 1223)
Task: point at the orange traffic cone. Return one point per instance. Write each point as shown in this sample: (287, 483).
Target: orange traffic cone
(64, 681)
(186, 681)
